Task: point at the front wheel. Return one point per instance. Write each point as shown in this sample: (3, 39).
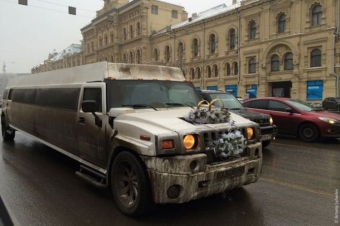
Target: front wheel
(8, 133)
(130, 185)
(308, 132)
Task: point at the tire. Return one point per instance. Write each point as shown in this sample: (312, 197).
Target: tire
(265, 143)
(130, 185)
(8, 133)
(308, 132)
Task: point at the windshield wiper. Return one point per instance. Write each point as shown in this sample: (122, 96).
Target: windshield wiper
(178, 104)
(139, 106)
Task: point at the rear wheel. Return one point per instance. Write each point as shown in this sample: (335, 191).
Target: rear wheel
(7, 132)
(130, 185)
(308, 132)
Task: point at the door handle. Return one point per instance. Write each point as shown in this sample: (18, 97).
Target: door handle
(81, 120)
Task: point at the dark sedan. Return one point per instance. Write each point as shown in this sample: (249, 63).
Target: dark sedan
(298, 118)
(331, 103)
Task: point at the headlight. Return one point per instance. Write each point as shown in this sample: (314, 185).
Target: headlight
(329, 120)
(250, 133)
(271, 121)
(189, 141)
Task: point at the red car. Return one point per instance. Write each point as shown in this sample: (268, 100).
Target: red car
(297, 118)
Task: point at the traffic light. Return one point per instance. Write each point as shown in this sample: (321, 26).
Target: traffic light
(22, 2)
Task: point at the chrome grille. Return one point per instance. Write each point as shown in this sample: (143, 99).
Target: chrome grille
(261, 121)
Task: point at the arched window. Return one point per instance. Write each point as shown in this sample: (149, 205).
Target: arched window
(167, 54)
(228, 69)
(252, 66)
(195, 47)
(198, 72)
(139, 30)
(155, 52)
(192, 73)
(139, 56)
(281, 23)
(252, 30)
(132, 57)
(275, 63)
(209, 71)
(131, 31)
(212, 41)
(316, 15)
(288, 61)
(215, 69)
(315, 58)
(232, 39)
(235, 66)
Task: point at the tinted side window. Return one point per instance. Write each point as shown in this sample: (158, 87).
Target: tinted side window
(25, 96)
(259, 104)
(62, 98)
(277, 106)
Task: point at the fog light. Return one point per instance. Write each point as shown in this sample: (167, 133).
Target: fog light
(174, 191)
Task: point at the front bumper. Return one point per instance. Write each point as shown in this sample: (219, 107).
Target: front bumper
(194, 178)
(332, 131)
(268, 132)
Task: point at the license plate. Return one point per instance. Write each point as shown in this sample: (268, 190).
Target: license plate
(266, 137)
(235, 172)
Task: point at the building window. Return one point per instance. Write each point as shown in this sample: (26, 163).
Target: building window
(131, 31)
(252, 66)
(192, 73)
(92, 46)
(100, 41)
(209, 71)
(281, 26)
(288, 62)
(154, 9)
(124, 58)
(232, 39)
(155, 52)
(215, 70)
(174, 14)
(132, 57)
(315, 58)
(112, 59)
(252, 30)
(124, 34)
(212, 42)
(105, 39)
(139, 56)
(180, 54)
(195, 47)
(228, 69)
(139, 30)
(198, 72)
(235, 66)
(316, 15)
(314, 90)
(274, 63)
(88, 47)
(167, 54)
(111, 37)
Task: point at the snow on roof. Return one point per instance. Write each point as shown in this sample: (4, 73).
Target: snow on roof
(217, 10)
(72, 49)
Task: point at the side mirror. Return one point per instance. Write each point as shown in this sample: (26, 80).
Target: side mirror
(289, 110)
(92, 106)
(89, 106)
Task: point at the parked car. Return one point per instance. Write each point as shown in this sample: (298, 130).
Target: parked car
(268, 129)
(297, 118)
(331, 103)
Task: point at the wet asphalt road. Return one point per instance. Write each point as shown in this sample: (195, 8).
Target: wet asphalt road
(297, 188)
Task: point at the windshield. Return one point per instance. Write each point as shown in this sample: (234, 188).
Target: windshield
(230, 102)
(303, 106)
(153, 93)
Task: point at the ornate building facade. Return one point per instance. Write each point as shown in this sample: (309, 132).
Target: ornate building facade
(254, 47)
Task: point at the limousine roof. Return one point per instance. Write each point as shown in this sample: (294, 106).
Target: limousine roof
(98, 72)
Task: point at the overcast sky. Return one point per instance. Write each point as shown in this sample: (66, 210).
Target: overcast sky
(29, 33)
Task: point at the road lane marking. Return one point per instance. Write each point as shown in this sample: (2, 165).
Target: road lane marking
(298, 187)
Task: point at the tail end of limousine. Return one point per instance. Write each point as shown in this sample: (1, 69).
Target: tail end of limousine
(138, 130)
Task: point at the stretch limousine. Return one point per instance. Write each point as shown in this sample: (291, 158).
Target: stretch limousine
(128, 127)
